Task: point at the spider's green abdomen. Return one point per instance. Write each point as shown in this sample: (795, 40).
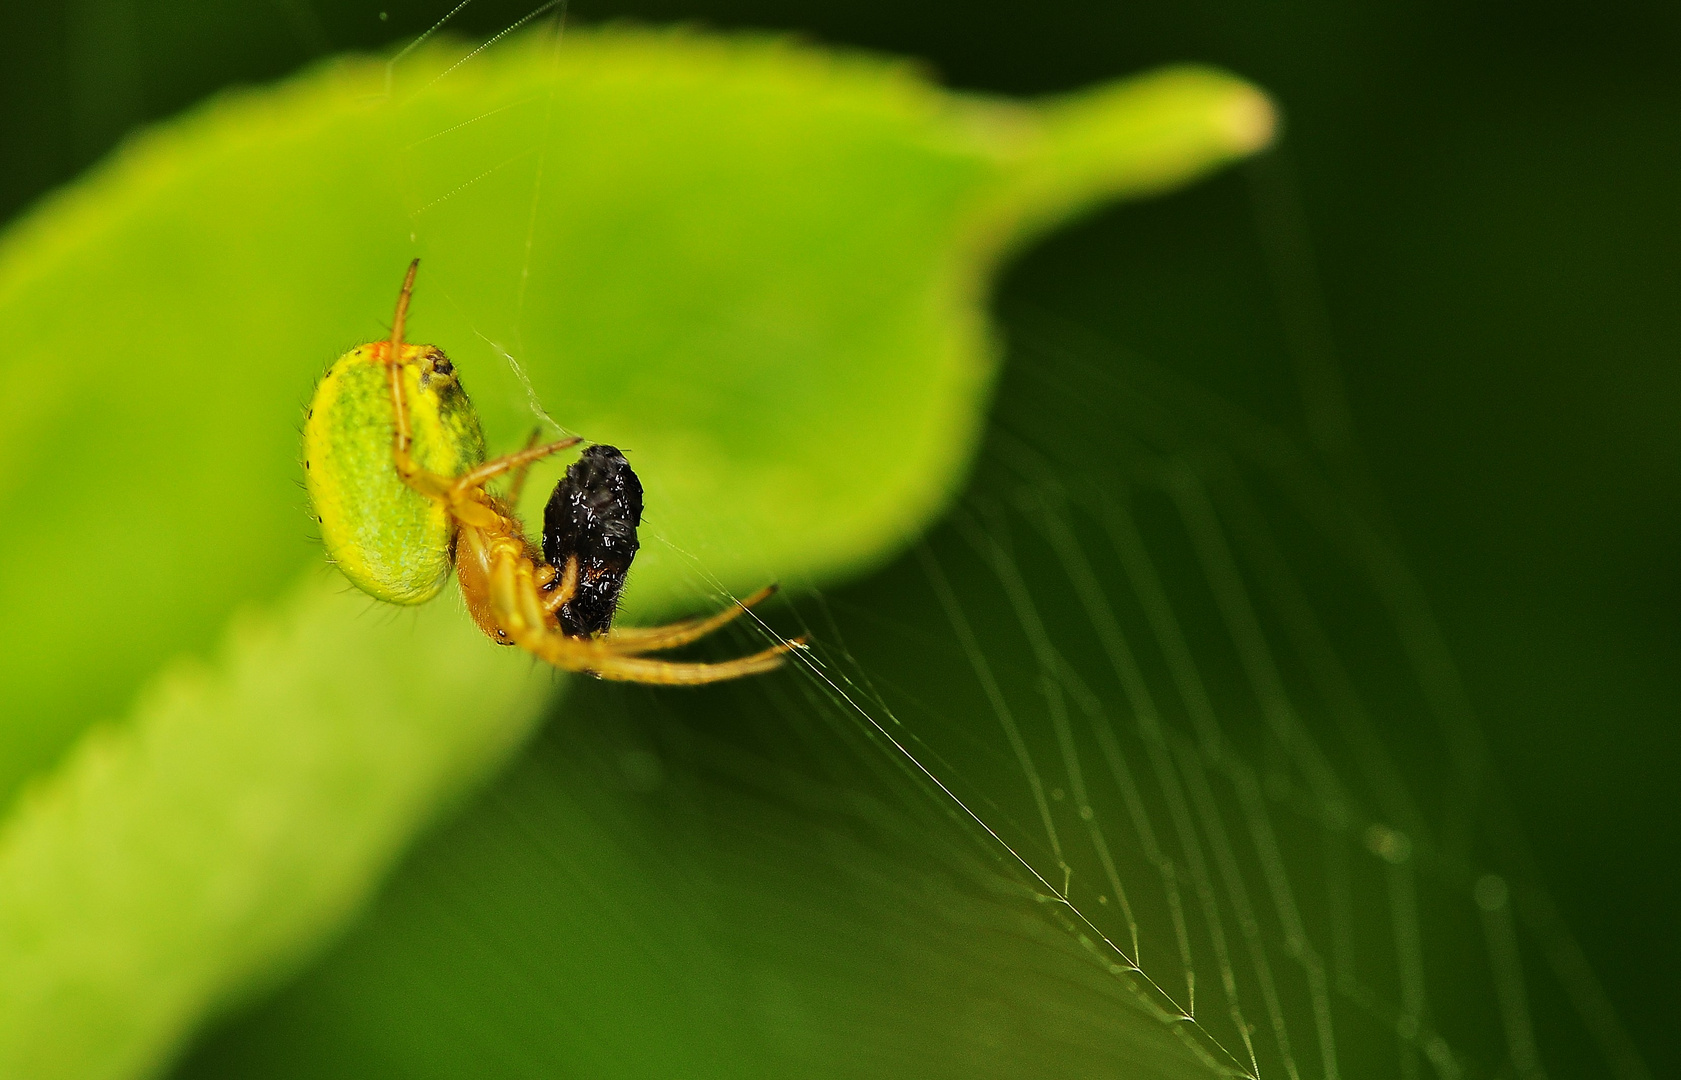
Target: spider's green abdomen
(393, 542)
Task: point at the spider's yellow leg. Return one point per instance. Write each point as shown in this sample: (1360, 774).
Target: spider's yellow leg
(520, 459)
(631, 640)
(422, 480)
(518, 609)
(516, 482)
(590, 657)
(513, 594)
(434, 485)
(566, 590)
(457, 491)
(672, 673)
(504, 597)
(517, 605)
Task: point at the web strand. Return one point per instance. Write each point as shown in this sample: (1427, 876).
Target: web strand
(1225, 835)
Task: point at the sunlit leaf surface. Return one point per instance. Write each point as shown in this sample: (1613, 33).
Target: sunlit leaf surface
(759, 269)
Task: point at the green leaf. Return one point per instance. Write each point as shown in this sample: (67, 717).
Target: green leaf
(236, 816)
(759, 268)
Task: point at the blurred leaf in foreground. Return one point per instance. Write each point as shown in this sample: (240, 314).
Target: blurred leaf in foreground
(757, 267)
(235, 816)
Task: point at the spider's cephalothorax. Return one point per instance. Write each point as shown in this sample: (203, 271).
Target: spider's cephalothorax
(394, 464)
(592, 516)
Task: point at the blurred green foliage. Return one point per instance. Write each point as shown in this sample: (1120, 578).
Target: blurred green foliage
(1477, 202)
(756, 266)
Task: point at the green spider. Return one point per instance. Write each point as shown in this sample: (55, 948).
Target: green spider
(394, 463)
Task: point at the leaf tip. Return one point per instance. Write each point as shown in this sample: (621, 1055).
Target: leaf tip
(1251, 120)
(1134, 137)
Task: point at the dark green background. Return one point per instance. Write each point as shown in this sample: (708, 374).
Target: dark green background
(1490, 195)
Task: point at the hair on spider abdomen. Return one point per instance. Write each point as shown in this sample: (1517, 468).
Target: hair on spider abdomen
(593, 515)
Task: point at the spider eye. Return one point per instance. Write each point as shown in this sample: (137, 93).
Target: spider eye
(437, 373)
